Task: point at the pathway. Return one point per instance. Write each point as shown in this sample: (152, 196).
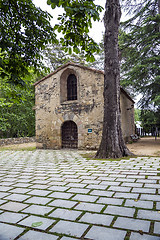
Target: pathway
(59, 195)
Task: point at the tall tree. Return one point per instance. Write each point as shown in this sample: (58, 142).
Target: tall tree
(140, 48)
(112, 144)
(24, 30)
(74, 24)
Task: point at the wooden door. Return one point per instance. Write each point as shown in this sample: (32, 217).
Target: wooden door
(69, 135)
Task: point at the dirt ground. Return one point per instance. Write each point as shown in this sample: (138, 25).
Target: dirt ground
(147, 146)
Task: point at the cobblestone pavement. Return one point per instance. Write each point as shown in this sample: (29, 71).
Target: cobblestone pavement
(59, 195)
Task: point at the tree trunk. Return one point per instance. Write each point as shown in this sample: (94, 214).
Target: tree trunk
(112, 143)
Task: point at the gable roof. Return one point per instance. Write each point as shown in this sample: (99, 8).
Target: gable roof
(81, 66)
(66, 65)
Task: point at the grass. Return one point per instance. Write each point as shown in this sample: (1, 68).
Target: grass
(91, 155)
(18, 148)
(88, 155)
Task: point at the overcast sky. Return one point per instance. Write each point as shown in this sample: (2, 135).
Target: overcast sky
(97, 29)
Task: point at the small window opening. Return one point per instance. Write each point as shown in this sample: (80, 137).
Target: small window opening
(71, 87)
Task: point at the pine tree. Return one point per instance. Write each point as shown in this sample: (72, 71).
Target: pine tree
(140, 48)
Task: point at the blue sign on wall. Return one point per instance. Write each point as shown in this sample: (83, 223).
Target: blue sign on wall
(90, 130)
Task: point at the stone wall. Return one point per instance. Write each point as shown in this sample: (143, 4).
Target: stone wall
(127, 116)
(10, 141)
(53, 109)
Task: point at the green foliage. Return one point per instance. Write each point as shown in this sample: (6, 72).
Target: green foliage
(139, 43)
(55, 56)
(24, 31)
(137, 113)
(75, 23)
(17, 116)
(150, 119)
(99, 58)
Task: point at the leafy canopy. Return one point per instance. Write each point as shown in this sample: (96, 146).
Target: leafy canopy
(24, 31)
(75, 23)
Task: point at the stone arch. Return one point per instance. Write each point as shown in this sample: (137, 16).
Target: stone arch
(71, 117)
(69, 134)
(63, 83)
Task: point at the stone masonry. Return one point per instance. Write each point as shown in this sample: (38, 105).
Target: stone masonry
(53, 109)
(10, 141)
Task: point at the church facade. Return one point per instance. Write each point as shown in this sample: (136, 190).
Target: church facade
(69, 108)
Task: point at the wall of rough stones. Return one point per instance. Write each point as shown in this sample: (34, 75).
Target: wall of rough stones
(9, 141)
(52, 109)
(127, 116)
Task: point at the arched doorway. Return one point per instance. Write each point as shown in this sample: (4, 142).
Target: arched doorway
(69, 133)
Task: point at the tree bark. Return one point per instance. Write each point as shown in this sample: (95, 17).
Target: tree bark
(112, 143)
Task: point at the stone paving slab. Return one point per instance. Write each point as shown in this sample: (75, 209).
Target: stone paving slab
(99, 233)
(13, 206)
(158, 205)
(36, 209)
(123, 211)
(2, 201)
(150, 197)
(147, 214)
(68, 238)
(70, 228)
(139, 203)
(132, 224)
(78, 190)
(102, 193)
(85, 198)
(37, 222)
(9, 232)
(2, 194)
(10, 217)
(32, 235)
(16, 197)
(60, 195)
(112, 201)
(91, 207)
(63, 203)
(126, 195)
(65, 214)
(157, 227)
(138, 236)
(39, 192)
(94, 218)
(38, 200)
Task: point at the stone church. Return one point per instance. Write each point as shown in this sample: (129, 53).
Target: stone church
(69, 108)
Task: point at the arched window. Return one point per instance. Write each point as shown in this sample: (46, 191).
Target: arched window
(71, 87)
